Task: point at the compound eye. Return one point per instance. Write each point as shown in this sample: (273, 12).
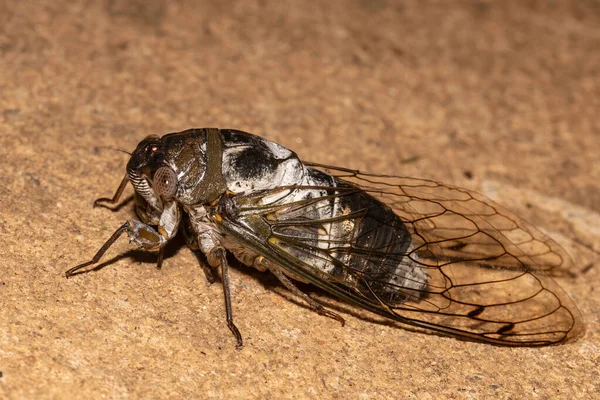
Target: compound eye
(165, 182)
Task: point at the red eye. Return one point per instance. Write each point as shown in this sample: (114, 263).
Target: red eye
(165, 182)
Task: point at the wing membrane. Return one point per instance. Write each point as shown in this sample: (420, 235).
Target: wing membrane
(459, 218)
(472, 269)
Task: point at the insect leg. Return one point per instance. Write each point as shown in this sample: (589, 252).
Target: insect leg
(209, 273)
(217, 258)
(160, 257)
(117, 194)
(166, 230)
(143, 235)
(192, 243)
(312, 303)
(100, 253)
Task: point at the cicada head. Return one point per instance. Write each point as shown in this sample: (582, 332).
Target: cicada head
(152, 173)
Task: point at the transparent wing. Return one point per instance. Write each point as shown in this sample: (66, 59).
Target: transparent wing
(466, 266)
(461, 219)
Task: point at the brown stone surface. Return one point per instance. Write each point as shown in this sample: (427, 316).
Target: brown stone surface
(500, 97)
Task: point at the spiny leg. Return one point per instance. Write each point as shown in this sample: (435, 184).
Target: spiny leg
(217, 257)
(143, 235)
(209, 270)
(209, 273)
(192, 242)
(116, 196)
(309, 300)
(123, 228)
(160, 257)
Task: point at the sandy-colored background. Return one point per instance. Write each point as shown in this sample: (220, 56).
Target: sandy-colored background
(501, 97)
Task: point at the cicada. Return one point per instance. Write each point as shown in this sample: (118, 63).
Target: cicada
(416, 251)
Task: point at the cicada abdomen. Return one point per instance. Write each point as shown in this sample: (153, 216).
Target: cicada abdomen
(343, 235)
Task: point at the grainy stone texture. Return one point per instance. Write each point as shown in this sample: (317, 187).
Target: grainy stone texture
(499, 97)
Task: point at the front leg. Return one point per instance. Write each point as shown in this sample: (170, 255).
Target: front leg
(155, 240)
(143, 235)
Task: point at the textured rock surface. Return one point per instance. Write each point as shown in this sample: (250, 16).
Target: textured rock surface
(499, 97)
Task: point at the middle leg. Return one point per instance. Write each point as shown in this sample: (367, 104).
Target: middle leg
(312, 303)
